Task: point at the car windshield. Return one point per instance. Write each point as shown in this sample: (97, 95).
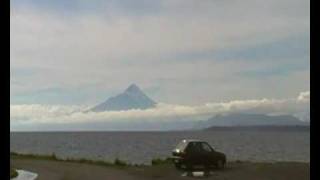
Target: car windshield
(206, 147)
(182, 145)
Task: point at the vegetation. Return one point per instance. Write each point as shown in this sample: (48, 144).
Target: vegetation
(13, 173)
(38, 156)
(159, 161)
(117, 162)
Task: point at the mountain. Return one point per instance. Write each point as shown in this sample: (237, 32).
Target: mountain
(239, 119)
(132, 98)
(282, 128)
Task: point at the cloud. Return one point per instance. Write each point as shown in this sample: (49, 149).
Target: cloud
(119, 36)
(57, 114)
(304, 96)
(110, 45)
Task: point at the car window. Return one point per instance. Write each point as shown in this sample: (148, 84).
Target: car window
(182, 145)
(205, 147)
(193, 147)
(198, 147)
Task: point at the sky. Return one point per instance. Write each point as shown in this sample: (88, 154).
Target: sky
(69, 55)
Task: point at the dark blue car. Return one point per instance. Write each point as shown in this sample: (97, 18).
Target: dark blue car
(190, 154)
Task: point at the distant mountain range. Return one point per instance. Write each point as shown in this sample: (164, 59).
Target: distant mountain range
(278, 128)
(132, 98)
(240, 120)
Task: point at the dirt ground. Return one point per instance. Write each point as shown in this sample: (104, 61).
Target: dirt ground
(57, 170)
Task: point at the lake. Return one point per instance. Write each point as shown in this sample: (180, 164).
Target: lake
(141, 147)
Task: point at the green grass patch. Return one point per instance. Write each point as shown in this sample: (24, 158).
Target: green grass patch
(116, 163)
(34, 156)
(13, 173)
(119, 162)
(159, 161)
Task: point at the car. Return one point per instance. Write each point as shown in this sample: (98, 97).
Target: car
(189, 154)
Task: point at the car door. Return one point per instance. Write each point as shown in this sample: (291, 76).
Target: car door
(193, 153)
(206, 153)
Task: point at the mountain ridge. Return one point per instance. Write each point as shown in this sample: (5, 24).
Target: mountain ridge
(244, 119)
(294, 128)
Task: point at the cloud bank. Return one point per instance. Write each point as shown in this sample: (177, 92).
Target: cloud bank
(55, 114)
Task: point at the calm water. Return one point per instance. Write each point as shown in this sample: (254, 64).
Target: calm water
(141, 147)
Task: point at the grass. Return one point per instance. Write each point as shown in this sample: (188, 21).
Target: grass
(119, 162)
(159, 161)
(13, 173)
(116, 163)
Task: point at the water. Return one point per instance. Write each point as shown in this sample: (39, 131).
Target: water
(141, 147)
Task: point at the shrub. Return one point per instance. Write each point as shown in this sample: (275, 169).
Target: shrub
(119, 162)
(13, 173)
(53, 156)
(158, 161)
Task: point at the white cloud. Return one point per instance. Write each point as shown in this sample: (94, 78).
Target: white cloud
(304, 96)
(56, 114)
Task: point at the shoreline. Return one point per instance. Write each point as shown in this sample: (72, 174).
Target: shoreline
(119, 161)
(122, 163)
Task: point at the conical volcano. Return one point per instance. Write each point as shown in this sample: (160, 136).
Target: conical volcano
(132, 98)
